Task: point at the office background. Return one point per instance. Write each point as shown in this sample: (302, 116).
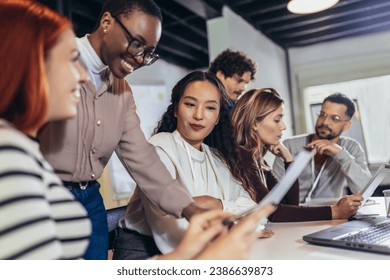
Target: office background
(304, 57)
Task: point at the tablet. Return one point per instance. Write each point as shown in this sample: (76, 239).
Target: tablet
(282, 187)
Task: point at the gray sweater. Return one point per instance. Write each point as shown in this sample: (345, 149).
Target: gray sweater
(348, 168)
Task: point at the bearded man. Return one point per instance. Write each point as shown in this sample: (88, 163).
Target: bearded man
(339, 161)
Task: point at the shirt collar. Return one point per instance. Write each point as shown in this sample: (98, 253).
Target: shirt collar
(89, 56)
(195, 153)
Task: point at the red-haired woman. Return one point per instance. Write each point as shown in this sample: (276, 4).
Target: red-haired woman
(40, 80)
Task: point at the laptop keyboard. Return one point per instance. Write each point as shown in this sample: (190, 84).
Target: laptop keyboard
(374, 234)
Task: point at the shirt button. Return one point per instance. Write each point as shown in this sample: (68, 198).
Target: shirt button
(93, 151)
(93, 176)
(99, 122)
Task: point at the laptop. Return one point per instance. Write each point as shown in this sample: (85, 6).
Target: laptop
(281, 188)
(380, 174)
(369, 234)
(368, 190)
(366, 233)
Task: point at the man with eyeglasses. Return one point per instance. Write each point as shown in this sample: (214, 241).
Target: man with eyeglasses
(339, 161)
(235, 69)
(123, 41)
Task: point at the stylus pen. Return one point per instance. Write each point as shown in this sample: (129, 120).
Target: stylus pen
(229, 222)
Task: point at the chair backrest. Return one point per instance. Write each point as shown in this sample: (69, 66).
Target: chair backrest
(113, 217)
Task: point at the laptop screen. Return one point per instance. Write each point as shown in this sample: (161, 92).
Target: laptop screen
(375, 181)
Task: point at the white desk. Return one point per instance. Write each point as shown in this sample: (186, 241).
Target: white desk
(287, 243)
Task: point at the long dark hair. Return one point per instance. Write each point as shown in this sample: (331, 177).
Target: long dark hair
(221, 138)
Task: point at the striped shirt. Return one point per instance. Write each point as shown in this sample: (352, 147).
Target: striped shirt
(39, 218)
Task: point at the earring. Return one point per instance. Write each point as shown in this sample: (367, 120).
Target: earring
(105, 30)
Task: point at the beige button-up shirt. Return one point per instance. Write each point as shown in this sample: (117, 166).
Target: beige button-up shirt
(80, 148)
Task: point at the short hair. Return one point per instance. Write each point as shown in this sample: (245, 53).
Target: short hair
(30, 29)
(233, 62)
(126, 7)
(340, 98)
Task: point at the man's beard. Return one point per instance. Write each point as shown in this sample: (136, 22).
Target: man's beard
(330, 136)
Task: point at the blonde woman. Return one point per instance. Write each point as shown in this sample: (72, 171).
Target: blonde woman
(258, 124)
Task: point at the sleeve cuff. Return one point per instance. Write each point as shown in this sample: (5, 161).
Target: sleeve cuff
(343, 156)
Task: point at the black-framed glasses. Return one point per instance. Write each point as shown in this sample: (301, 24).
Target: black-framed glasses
(333, 118)
(136, 48)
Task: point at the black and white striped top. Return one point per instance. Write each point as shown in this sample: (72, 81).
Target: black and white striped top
(39, 218)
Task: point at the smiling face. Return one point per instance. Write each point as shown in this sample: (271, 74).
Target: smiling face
(64, 74)
(144, 28)
(270, 129)
(198, 112)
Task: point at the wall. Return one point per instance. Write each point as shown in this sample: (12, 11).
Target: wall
(344, 60)
(325, 63)
(160, 73)
(337, 61)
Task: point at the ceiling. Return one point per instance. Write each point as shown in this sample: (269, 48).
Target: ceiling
(184, 38)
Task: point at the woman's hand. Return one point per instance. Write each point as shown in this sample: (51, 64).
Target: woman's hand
(203, 228)
(281, 151)
(236, 243)
(347, 206)
(208, 238)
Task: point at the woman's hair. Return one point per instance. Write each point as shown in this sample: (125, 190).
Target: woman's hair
(221, 138)
(251, 108)
(29, 30)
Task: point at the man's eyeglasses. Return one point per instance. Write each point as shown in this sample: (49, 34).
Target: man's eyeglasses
(136, 48)
(333, 118)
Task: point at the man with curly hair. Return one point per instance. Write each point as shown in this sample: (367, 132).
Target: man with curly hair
(235, 69)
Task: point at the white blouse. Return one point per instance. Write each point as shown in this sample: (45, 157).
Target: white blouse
(202, 172)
